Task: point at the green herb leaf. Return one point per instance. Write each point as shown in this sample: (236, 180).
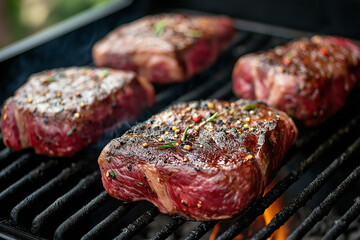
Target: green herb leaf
(169, 144)
(210, 119)
(111, 173)
(160, 26)
(51, 79)
(185, 133)
(195, 33)
(250, 107)
(105, 74)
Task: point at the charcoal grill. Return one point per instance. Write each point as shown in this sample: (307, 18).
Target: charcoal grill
(45, 198)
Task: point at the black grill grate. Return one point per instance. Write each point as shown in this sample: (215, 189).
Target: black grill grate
(63, 198)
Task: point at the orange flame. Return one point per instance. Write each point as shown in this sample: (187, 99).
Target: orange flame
(270, 212)
(260, 222)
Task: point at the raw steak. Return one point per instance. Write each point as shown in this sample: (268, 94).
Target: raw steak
(310, 79)
(165, 48)
(58, 112)
(202, 160)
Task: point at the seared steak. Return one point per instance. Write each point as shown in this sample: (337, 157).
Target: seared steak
(58, 112)
(165, 48)
(310, 79)
(202, 160)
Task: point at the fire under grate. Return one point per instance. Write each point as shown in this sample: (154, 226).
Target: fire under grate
(45, 198)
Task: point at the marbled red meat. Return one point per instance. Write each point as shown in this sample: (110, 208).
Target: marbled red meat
(310, 79)
(165, 48)
(224, 160)
(58, 112)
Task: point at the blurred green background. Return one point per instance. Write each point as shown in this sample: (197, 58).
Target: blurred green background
(20, 18)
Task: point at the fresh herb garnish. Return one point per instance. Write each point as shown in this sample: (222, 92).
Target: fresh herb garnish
(250, 107)
(185, 133)
(169, 144)
(160, 26)
(105, 74)
(51, 79)
(195, 33)
(210, 119)
(110, 173)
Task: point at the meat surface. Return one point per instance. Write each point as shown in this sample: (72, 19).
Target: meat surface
(310, 79)
(165, 48)
(202, 160)
(58, 112)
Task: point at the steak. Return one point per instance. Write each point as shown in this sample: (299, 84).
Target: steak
(202, 160)
(58, 112)
(165, 48)
(310, 79)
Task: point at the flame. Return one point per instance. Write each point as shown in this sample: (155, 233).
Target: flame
(260, 222)
(215, 231)
(270, 212)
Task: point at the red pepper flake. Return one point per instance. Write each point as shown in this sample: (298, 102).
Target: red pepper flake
(78, 94)
(286, 61)
(196, 118)
(324, 51)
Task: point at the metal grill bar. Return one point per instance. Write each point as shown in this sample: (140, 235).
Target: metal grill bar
(52, 213)
(200, 230)
(14, 193)
(342, 224)
(325, 207)
(169, 228)
(7, 156)
(259, 206)
(281, 217)
(204, 89)
(96, 232)
(138, 224)
(18, 168)
(1, 136)
(62, 232)
(24, 212)
(222, 92)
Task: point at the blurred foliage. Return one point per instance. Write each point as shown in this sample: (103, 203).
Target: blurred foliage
(20, 18)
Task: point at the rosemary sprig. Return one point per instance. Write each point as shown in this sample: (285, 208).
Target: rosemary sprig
(169, 144)
(185, 133)
(160, 26)
(210, 119)
(215, 115)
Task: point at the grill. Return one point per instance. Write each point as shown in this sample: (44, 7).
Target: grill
(44, 198)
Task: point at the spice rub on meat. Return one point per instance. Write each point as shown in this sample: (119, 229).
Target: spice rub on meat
(310, 79)
(202, 160)
(58, 112)
(165, 48)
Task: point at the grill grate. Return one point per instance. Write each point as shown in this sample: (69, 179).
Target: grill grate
(342, 224)
(63, 198)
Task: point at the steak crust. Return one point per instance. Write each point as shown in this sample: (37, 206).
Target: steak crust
(167, 47)
(58, 112)
(213, 171)
(310, 79)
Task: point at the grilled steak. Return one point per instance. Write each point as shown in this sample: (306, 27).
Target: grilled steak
(165, 48)
(202, 160)
(58, 112)
(310, 79)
